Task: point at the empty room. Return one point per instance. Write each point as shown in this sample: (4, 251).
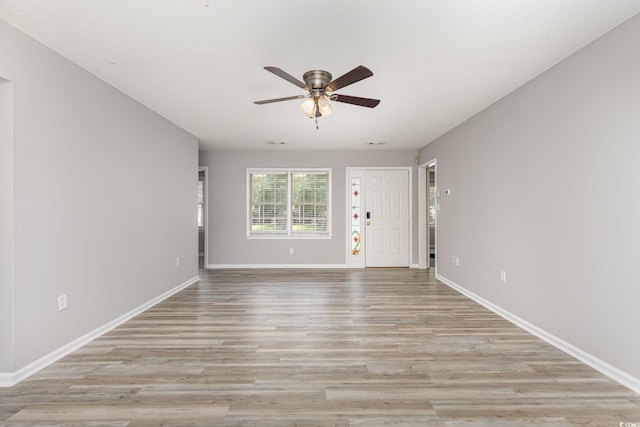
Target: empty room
(289, 213)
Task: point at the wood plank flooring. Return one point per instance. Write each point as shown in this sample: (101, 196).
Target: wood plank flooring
(318, 348)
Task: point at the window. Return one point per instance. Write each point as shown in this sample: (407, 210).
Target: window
(288, 202)
(268, 208)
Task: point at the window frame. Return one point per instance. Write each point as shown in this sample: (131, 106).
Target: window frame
(288, 233)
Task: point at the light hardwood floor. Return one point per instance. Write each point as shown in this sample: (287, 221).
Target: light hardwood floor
(318, 348)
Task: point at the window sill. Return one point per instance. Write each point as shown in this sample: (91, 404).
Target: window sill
(289, 237)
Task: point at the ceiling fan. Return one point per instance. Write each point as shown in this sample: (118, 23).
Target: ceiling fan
(321, 88)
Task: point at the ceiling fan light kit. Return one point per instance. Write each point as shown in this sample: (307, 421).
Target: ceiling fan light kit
(316, 106)
(320, 87)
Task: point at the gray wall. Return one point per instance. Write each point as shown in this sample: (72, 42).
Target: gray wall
(545, 187)
(104, 200)
(6, 225)
(228, 243)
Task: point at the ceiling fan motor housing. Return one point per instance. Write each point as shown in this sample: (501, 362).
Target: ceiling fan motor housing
(316, 80)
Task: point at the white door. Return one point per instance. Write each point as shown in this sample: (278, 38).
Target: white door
(387, 218)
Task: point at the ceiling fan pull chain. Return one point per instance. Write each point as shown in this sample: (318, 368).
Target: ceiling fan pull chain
(317, 110)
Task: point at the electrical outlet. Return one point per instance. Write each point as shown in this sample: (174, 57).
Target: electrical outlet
(503, 276)
(457, 261)
(62, 302)
(290, 251)
(177, 261)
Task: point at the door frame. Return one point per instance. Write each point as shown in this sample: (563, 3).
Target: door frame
(359, 260)
(205, 212)
(423, 214)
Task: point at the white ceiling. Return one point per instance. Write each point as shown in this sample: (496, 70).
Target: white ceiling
(435, 62)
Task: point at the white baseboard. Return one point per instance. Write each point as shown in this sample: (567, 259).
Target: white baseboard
(13, 378)
(6, 380)
(231, 266)
(603, 367)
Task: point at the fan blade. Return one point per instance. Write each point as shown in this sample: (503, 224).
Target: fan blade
(288, 77)
(359, 73)
(355, 100)
(286, 98)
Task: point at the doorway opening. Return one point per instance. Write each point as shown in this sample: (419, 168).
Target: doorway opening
(428, 215)
(431, 214)
(203, 209)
